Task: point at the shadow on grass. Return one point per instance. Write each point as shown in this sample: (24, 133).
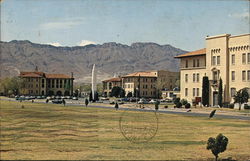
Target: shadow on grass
(182, 142)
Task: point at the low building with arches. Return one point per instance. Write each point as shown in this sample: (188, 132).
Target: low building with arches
(43, 84)
(226, 57)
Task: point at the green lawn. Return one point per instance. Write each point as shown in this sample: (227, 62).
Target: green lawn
(45, 131)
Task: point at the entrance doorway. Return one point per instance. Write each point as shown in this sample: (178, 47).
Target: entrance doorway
(215, 98)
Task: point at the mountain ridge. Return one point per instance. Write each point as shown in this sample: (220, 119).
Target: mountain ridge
(110, 58)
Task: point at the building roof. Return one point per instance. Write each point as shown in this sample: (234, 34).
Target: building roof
(193, 53)
(31, 74)
(57, 76)
(118, 79)
(142, 74)
(42, 74)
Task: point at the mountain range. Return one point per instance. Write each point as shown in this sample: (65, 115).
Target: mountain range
(111, 59)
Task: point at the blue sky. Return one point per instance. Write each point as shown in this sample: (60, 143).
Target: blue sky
(183, 24)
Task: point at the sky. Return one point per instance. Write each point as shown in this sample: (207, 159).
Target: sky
(182, 24)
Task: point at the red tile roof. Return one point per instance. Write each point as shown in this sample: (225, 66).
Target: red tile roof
(142, 74)
(42, 74)
(31, 74)
(118, 79)
(193, 53)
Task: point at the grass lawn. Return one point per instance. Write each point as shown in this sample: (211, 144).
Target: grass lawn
(46, 131)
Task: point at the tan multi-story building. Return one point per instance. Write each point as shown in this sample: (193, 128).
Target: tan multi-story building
(40, 83)
(226, 57)
(146, 84)
(109, 84)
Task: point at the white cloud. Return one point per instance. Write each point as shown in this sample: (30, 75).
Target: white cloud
(244, 15)
(54, 44)
(62, 24)
(85, 42)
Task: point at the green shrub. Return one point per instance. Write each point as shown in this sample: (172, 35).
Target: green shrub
(179, 105)
(184, 102)
(246, 106)
(176, 100)
(187, 105)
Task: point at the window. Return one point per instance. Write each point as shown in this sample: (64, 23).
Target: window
(193, 77)
(248, 75)
(233, 92)
(248, 57)
(198, 62)
(197, 92)
(244, 58)
(186, 63)
(186, 77)
(233, 59)
(186, 91)
(193, 91)
(193, 62)
(198, 77)
(233, 75)
(243, 75)
(214, 60)
(218, 60)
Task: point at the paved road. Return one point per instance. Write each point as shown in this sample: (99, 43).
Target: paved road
(170, 111)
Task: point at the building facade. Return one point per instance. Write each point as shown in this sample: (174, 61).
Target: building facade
(40, 83)
(147, 84)
(226, 57)
(109, 84)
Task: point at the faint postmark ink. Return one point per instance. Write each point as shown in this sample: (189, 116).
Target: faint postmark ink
(139, 127)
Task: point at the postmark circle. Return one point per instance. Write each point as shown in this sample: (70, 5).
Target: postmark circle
(138, 127)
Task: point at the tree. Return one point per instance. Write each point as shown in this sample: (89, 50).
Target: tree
(86, 102)
(157, 105)
(129, 94)
(241, 97)
(12, 85)
(115, 91)
(176, 100)
(96, 97)
(116, 106)
(90, 96)
(184, 102)
(177, 83)
(217, 145)
(205, 91)
(220, 93)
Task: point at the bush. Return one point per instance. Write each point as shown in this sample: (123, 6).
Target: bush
(178, 105)
(246, 106)
(187, 105)
(176, 100)
(231, 105)
(184, 102)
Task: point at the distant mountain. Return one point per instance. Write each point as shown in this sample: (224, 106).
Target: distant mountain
(110, 58)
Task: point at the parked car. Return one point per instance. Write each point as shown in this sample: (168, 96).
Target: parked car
(152, 101)
(143, 101)
(125, 99)
(49, 98)
(68, 97)
(74, 98)
(57, 101)
(39, 97)
(104, 99)
(132, 99)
